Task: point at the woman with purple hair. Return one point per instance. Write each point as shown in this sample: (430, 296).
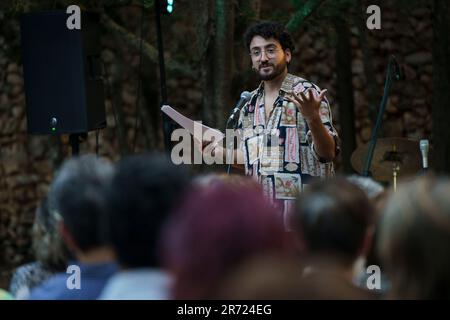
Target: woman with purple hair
(218, 226)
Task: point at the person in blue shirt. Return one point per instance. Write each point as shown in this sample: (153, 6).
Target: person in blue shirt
(78, 194)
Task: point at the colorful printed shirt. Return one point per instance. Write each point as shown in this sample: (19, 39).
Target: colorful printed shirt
(280, 153)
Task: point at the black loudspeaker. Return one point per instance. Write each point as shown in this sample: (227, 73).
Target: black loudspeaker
(62, 73)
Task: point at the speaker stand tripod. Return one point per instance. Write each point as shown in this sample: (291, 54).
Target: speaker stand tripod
(74, 140)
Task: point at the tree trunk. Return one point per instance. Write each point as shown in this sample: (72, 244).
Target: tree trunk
(345, 93)
(256, 6)
(304, 10)
(124, 148)
(204, 23)
(147, 49)
(441, 92)
(215, 29)
(150, 107)
(368, 62)
(223, 56)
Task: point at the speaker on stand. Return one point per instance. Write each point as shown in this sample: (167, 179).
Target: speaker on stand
(62, 75)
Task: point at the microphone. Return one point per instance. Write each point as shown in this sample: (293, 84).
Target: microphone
(424, 147)
(245, 96)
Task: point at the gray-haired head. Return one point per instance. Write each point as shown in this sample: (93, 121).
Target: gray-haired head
(414, 237)
(78, 194)
(48, 246)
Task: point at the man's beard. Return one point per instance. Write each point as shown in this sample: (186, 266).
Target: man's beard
(276, 71)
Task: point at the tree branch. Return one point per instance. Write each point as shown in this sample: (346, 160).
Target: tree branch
(303, 14)
(148, 50)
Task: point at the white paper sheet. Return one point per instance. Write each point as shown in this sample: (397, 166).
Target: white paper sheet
(189, 125)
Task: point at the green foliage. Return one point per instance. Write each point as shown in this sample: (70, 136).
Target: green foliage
(411, 4)
(147, 3)
(280, 16)
(318, 13)
(21, 5)
(303, 8)
(244, 13)
(406, 6)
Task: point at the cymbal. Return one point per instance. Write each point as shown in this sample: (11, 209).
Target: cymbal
(389, 153)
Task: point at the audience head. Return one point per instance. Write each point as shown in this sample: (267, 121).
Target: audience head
(331, 219)
(266, 277)
(143, 191)
(216, 228)
(372, 188)
(414, 239)
(78, 193)
(231, 180)
(377, 195)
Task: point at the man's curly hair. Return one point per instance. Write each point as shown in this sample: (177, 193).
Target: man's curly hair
(267, 30)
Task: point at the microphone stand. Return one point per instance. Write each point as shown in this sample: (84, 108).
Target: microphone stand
(166, 122)
(74, 141)
(374, 136)
(245, 97)
(235, 125)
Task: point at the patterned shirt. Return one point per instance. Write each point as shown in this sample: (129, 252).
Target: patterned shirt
(281, 153)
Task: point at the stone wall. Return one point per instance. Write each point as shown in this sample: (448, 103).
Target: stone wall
(408, 36)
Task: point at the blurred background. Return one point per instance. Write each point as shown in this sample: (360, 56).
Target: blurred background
(207, 66)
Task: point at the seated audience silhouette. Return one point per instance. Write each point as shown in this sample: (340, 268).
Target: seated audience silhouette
(220, 224)
(49, 249)
(330, 226)
(78, 194)
(414, 239)
(143, 191)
